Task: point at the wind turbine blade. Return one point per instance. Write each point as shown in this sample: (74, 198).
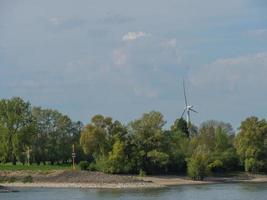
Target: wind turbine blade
(183, 113)
(185, 99)
(193, 110)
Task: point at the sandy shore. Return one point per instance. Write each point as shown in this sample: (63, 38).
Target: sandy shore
(182, 180)
(99, 180)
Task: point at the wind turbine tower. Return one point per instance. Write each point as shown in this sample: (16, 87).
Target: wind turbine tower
(188, 108)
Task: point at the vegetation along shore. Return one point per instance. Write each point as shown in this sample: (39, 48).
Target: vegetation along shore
(40, 142)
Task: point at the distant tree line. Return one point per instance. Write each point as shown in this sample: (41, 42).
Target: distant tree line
(142, 146)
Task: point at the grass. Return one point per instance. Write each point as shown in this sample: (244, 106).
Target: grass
(33, 167)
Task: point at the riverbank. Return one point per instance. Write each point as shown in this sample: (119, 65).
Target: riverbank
(84, 179)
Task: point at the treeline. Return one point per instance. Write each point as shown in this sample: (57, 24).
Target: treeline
(47, 135)
(142, 146)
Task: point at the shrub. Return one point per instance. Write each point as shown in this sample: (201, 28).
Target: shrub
(12, 179)
(216, 166)
(92, 167)
(27, 179)
(3, 179)
(142, 173)
(84, 165)
(253, 165)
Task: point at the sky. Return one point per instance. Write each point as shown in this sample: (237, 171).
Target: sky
(123, 58)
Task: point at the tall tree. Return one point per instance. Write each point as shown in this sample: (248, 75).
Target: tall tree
(148, 142)
(15, 117)
(54, 136)
(251, 144)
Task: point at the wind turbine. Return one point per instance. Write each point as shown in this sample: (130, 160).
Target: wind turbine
(188, 108)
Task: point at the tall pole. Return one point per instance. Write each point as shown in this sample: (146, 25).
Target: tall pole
(28, 156)
(73, 157)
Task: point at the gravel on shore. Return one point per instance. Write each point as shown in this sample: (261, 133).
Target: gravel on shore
(85, 179)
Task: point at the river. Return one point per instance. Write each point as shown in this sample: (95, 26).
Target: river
(199, 192)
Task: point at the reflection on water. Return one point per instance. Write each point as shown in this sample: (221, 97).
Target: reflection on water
(200, 192)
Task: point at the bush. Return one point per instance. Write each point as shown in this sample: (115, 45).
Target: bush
(3, 179)
(102, 164)
(253, 165)
(27, 179)
(216, 166)
(84, 165)
(12, 179)
(142, 173)
(92, 167)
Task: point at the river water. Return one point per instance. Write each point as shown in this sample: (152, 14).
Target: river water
(199, 192)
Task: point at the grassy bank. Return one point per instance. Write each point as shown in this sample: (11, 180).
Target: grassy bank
(33, 167)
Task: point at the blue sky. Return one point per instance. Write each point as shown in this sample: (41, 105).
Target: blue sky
(122, 58)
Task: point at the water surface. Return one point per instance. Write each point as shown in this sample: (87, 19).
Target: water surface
(199, 192)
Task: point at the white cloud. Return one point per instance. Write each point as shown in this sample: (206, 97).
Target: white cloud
(231, 73)
(131, 36)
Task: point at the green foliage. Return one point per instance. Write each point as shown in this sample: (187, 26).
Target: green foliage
(117, 160)
(84, 165)
(253, 165)
(33, 167)
(146, 136)
(251, 145)
(177, 147)
(197, 168)
(15, 119)
(216, 166)
(102, 164)
(180, 125)
(142, 173)
(158, 158)
(46, 136)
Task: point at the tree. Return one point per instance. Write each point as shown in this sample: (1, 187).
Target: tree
(176, 143)
(226, 127)
(15, 118)
(117, 160)
(251, 144)
(147, 137)
(180, 125)
(218, 139)
(55, 134)
(93, 141)
(197, 168)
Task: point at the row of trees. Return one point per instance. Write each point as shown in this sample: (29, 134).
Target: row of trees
(142, 146)
(145, 146)
(47, 134)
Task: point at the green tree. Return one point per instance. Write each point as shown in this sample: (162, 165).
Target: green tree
(251, 144)
(177, 146)
(180, 125)
(55, 135)
(15, 118)
(117, 160)
(147, 136)
(197, 167)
